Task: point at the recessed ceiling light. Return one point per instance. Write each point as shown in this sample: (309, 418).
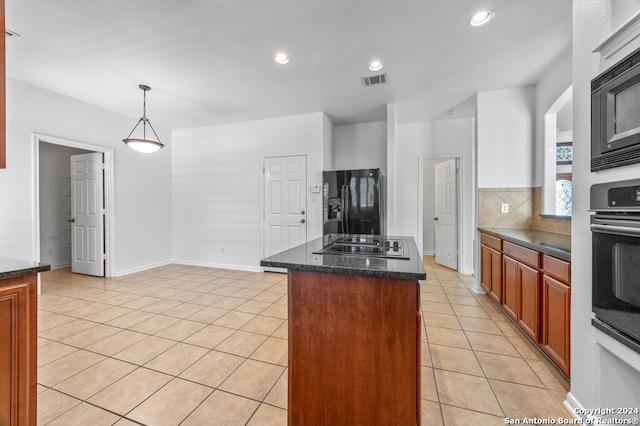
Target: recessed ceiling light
(482, 18)
(375, 65)
(281, 58)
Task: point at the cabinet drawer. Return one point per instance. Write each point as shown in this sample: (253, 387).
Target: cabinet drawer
(523, 254)
(557, 268)
(490, 241)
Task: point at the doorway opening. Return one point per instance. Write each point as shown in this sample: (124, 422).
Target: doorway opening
(450, 242)
(52, 200)
(558, 157)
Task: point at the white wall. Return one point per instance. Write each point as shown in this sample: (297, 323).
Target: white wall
(621, 10)
(599, 376)
(217, 186)
(441, 139)
(55, 204)
(327, 144)
(361, 146)
(565, 118)
(142, 182)
(505, 131)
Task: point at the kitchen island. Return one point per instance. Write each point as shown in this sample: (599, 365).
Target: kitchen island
(19, 348)
(354, 333)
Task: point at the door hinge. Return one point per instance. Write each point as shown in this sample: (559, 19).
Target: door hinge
(104, 166)
(104, 256)
(264, 170)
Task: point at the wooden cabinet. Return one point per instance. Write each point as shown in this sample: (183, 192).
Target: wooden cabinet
(528, 293)
(354, 349)
(556, 309)
(491, 266)
(18, 351)
(521, 298)
(522, 279)
(535, 294)
(510, 287)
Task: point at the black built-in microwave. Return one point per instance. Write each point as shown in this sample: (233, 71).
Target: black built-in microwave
(615, 115)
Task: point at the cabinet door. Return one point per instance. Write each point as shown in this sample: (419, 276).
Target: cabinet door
(510, 286)
(528, 312)
(485, 268)
(496, 275)
(491, 272)
(14, 386)
(556, 305)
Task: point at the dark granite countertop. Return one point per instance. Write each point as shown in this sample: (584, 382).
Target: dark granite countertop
(557, 245)
(303, 258)
(13, 268)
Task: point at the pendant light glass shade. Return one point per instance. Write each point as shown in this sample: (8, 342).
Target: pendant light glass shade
(142, 144)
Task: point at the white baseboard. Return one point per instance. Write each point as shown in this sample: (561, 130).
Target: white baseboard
(278, 270)
(574, 407)
(60, 265)
(142, 268)
(218, 265)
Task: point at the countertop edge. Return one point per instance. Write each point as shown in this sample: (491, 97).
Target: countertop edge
(306, 257)
(542, 248)
(345, 270)
(24, 272)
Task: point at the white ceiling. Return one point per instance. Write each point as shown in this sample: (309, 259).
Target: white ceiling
(211, 61)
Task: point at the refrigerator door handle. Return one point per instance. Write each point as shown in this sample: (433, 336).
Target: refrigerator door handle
(347, 206)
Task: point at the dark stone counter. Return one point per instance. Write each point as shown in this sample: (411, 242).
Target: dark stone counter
(14, 268)
(556, 245)
(303, 258)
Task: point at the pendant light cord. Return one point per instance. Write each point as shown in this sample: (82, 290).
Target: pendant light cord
(144, 114)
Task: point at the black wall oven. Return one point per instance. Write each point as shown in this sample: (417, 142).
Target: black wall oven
(615, 229)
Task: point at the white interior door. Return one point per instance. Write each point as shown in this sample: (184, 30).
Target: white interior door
(87, 214)
(285, 210)
(446, 219)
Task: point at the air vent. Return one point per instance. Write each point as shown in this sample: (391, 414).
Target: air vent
(9, 34)
(620, 68)
(374, 79)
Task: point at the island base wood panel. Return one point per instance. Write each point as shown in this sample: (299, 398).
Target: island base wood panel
(18, 351)
(354, 350)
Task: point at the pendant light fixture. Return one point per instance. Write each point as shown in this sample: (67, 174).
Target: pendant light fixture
(144, 145)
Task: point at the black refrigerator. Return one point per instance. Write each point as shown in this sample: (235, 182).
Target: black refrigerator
(354, 202)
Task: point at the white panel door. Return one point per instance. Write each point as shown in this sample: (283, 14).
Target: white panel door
(446, 220)
(87, 214)
(285, 214)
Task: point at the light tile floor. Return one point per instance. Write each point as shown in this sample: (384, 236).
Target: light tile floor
(203, 346)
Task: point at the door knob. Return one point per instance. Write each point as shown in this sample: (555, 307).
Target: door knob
(435, 218)
(302, 221)
(71, 220)
(302, 212)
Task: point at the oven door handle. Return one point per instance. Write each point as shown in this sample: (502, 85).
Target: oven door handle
(609, 229)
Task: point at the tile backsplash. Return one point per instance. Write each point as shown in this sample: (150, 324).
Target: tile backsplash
(524, 210)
